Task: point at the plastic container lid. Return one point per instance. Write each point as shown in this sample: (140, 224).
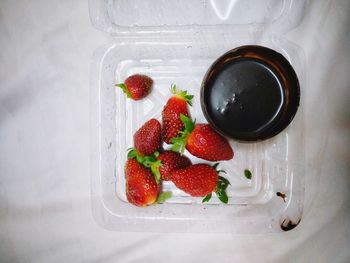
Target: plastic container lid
(149, 16)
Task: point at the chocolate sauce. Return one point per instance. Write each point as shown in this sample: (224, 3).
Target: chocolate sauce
(250, 93)
(288, 225)
(282, 195)
(246, 97)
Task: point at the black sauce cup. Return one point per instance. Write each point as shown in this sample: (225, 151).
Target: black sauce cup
(250, 93)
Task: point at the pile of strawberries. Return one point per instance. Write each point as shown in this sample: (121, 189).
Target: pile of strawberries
(148, 164)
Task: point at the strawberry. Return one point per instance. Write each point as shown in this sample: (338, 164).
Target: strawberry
(136, 86)
(202, 141)
(148, 139)
(141, 186)
(175, 106)
(201, 180)
(171, 161)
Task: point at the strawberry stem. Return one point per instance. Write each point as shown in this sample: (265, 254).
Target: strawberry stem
(182, 93)
(206, 198)
(179, 143)
(125, 89)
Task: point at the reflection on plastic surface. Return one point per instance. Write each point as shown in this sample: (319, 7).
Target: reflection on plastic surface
(224, 12)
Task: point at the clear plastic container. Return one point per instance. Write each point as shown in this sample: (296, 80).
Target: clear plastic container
(175, 42)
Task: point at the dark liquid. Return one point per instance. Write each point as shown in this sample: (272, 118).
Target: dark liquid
(245, 97)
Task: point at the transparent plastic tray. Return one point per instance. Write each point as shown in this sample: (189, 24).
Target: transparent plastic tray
(176, 43)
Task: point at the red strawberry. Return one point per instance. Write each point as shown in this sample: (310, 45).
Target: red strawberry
(136, 86)
(201, 180)
(171, 161)
(207, 144)
(141, 186)
(175, 106)
(202, 141)
(148, 139)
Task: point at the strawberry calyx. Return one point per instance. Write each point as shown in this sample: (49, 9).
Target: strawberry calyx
(125, 89)
(220, 189)
(179, 143)
(182, 94)
(149, 161)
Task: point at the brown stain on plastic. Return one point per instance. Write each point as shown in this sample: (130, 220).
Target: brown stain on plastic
(288, 224)
(282, 195)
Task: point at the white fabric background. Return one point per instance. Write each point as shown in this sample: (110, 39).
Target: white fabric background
(45, 214)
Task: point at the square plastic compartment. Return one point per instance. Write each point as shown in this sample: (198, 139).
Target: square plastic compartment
(175, 42)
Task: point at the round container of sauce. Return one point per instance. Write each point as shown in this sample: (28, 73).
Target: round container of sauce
(250, 93)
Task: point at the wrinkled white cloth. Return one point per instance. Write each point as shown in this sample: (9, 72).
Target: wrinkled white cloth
(45, 210)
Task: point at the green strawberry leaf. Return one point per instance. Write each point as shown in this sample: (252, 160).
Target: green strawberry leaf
(248, 174)
(206, 198)
(221, 187)
(125, 89)
(155, 170)
(177, 146)
(149, 161)
(173, 89)
(132, 153)
(188, 99)
(163, 197)
(222, 183)
(188, 123)
(222, 195)
(179, 143)
(223, 179)
(182, 93)
(140, 158)
(154, 164)
(215, 166)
